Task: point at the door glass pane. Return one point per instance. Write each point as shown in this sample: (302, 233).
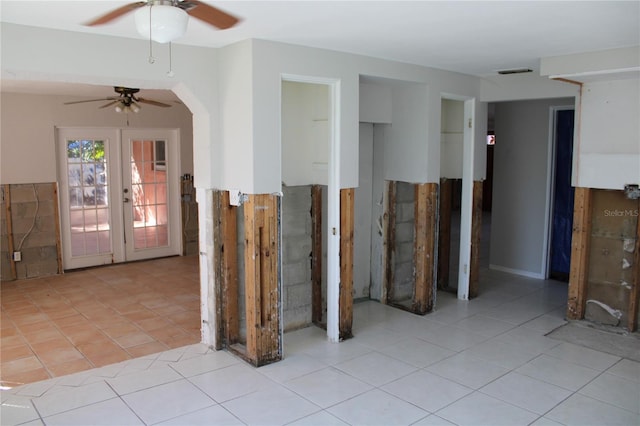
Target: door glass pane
(149, 194)
(88, 198)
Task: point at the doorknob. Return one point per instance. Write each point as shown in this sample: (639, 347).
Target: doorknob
(126, 199)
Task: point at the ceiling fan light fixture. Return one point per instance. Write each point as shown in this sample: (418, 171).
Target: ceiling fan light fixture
(166, 23)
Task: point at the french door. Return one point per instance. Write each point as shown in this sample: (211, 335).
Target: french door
(119, 195)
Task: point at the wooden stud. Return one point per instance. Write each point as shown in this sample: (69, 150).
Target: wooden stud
(316, 254)
(579, 253)
(634, 294)
(476, 234)
(347, 203)
(425, 202)
(444, 233)
(389, 242)
(220, 296)
(56, 219)
(7, 205)
(262, 277)
(229, 263)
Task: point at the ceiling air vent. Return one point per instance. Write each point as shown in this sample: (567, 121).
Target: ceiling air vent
(515, 71)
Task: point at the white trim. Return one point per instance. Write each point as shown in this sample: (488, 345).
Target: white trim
(521, 272)
(466, 207)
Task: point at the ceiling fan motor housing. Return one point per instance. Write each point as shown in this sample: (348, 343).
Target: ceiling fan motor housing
(161, 22)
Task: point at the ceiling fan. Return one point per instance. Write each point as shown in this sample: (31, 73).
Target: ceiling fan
(126, 101)
(165, 20)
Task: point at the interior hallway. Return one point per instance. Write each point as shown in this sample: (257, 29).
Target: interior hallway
(83, 319)
(484, 362)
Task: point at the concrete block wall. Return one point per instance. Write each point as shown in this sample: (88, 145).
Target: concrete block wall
(33, 229)
(296, 256)
(611, 270)
(405, 234)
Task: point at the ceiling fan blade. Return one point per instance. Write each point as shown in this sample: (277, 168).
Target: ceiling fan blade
(109, 104)
(89, 100)
(116, 13)
(151, 102)
(209, 14)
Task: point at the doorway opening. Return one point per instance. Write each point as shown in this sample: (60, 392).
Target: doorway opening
(120, 195)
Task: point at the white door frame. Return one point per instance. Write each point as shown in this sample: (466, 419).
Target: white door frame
(333, 201)
(111, 136)
(466, 206)
(173, 189)
(114, 138)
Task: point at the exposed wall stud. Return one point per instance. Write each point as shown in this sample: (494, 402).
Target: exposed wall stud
(425, 201)
(7, 205)
(56, 219)
(262, 277)
(444, 233)
(389, 241)
(229, 268)
(316, 254)
(476, 234)
(347, 204)
(579, 253)
(634, 296)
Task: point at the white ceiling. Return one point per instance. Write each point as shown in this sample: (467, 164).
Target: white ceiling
(472, 37)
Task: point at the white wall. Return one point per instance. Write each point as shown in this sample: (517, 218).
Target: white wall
(512, 87)
(609, 145)
(406, 155)
(375, 103)
(452, 139)
(38, 54)
(607, 151)
(305, 133)
(28, 128)
(520, 185)
(363, 215)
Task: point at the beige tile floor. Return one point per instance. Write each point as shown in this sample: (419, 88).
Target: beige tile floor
(84, 319)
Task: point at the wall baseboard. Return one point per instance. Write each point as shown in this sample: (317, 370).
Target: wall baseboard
(521, 272)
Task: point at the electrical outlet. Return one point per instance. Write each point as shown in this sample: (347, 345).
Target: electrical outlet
(17, 256)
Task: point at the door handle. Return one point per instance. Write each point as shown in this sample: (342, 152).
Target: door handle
(126, 200)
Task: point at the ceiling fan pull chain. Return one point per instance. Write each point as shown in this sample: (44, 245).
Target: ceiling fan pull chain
(151, 58)
(170, 73)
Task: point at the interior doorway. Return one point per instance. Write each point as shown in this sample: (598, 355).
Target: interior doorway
(563, 194)
(119, 195)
